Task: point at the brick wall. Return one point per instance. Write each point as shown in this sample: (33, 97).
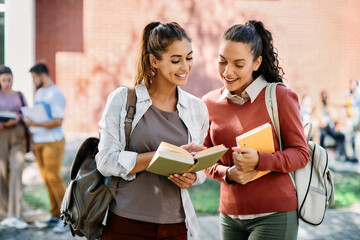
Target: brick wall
(91, 45)
(59, 27)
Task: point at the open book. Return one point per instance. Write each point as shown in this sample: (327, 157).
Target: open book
(37, 114)
(7, 115)
(170, 159)
(260, 139)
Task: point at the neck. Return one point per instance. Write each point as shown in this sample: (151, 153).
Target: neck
(162, 90)
(7, 91)
(163, 95)
(48, 82)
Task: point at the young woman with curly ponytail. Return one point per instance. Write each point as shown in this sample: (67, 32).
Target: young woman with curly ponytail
(147, 205)
(266, 207)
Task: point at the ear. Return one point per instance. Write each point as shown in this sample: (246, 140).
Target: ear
(257, 63)
(153, 61)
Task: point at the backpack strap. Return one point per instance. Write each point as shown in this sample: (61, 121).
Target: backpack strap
(272, 108)
(308, 135)
(130, 109)
(130, 113)
(22, 99)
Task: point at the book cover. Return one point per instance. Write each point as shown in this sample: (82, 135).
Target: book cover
(37, 114)
(170, 159)
(260, 139)
(7, 115)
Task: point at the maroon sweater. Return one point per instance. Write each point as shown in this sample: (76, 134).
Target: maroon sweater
(275, 191)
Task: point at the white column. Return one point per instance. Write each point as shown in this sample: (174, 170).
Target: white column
(20, 43)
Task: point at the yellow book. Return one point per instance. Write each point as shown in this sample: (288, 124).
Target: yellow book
(170, 159)
(260, 139)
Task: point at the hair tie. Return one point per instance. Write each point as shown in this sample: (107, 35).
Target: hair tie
(249, 24)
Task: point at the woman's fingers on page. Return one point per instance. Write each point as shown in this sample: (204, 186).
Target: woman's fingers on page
(192, 147)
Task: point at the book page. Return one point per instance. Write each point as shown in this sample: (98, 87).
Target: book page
(7, 115)
(209, 158)
(36, 114)
(209, 151)
(167, 147)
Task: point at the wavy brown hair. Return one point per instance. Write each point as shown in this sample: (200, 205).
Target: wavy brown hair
(156, 37)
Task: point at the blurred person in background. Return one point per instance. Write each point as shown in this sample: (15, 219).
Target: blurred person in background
(49, 143)
(306, 108)
(12, 149)
(328, 117)
(352, 108)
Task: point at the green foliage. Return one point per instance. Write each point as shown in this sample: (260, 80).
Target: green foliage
(205, 197)
(347, 189)
(37, 197)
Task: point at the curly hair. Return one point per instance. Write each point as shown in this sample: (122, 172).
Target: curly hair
(261, 41)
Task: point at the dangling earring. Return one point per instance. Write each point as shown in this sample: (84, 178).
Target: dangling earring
(151, 74)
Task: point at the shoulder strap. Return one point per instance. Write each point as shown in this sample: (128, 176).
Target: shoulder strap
(130, 113)
(130, 109)
(272, 108)
(22, 99)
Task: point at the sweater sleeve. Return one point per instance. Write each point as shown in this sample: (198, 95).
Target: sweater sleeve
(218, 170)
(295, 154)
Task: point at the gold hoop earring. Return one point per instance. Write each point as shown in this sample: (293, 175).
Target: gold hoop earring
(152, 73)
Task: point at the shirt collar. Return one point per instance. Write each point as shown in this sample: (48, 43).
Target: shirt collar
(142, 94)
(253, 90)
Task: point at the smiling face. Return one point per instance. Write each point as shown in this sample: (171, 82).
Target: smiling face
(236, 65)
(6, 80)
(175, 64)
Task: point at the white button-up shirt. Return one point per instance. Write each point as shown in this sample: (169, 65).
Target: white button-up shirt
(113, 160)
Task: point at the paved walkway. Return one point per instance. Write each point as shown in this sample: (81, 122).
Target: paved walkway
(337, 225)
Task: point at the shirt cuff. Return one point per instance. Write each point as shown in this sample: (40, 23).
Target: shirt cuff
(227, 180)
(127, 159)
(221, 173)
(200, 178)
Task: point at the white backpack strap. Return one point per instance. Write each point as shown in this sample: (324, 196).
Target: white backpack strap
(308, 135)
(272, 108)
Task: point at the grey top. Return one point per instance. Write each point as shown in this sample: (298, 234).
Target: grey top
(151, 197)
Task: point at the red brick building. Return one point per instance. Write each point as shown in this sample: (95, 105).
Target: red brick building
(91, 46)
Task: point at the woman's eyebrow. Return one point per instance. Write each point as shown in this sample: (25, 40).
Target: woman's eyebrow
(236, 60)
(178, 55)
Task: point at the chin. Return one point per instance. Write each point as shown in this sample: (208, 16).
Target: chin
(231, 87)
(181, 83)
